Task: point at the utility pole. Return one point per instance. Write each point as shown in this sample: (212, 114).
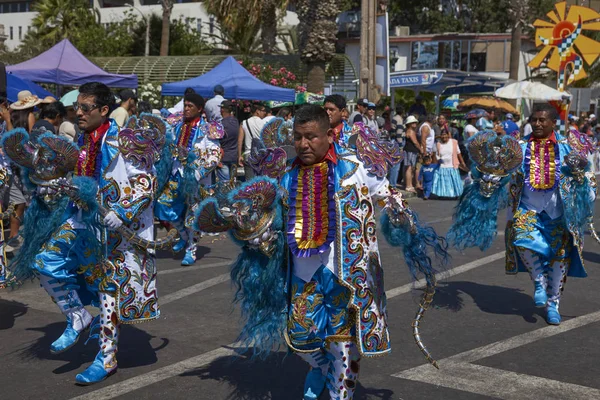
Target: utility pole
(368, 50)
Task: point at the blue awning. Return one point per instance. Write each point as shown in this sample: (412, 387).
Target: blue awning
(446, 82)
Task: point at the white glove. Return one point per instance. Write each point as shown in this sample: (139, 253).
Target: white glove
(112, 220)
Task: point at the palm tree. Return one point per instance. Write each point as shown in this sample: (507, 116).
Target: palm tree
(262, 15)
(318, 36)
(167, 8)
(60, 19)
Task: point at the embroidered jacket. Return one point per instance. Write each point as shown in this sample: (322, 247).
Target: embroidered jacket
(357, 262)
(522, 180)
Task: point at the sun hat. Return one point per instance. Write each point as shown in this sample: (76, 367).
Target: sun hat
(25, 100)
(48, 100)
(410, 120)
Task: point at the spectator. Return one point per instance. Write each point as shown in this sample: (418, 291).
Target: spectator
(441, 126)
(593, 121)
(268, 114)
(527, 129)
(485, 122)
(211, 108)
(418, 109)
(427, 135)
(447, 182)
(426, 175)
(250, 129)
(387, 124)
(359, 114)
(126, 108)
(285, 113)
(398, 130)
(51, 117)
(371, 122)
(454, 131)
(25, 117)
(470, 129)
(144, 107)
(509, 126)
(69, 129)
(229, 143)
(412, 149)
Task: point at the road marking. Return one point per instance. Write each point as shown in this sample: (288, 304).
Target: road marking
(454, 271)
(166, 299)
(458, 372)
(170, 371)
(195, 267)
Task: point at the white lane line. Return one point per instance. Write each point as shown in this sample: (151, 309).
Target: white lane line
(434, 221)
(457, 372)
(166, 299)
(193, 363)
(195, 267)
(454, 271)
(170, 371)
(525, 338)
(502, 384)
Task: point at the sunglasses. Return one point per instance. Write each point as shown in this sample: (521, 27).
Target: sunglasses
(85, 108)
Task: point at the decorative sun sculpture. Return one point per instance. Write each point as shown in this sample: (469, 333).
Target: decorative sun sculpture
(565, 49)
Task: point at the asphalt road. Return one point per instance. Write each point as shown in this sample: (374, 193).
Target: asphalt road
(490, 340)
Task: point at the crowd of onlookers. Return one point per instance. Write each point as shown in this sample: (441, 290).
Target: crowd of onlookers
(435, 161)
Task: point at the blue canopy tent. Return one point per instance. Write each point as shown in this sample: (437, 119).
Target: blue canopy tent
(14, 85)
(239, 84)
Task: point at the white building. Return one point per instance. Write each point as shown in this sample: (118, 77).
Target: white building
(16, 16)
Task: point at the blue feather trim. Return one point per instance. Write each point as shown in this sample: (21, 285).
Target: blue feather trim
(260, 283)
(417, 246)
(40, 223)
(165, 164)
(579, 202)
(475, 217)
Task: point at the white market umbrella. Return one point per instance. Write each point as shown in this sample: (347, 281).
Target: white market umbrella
(530, 90)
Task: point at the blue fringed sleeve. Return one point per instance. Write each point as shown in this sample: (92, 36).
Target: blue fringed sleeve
(401, 227)
(475, 216)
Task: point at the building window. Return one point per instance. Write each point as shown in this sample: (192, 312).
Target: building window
(20, 33)
(28, 28)
(10, 35)
(211, 26)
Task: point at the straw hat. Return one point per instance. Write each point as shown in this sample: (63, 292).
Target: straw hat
(48, 100)
(25, 100)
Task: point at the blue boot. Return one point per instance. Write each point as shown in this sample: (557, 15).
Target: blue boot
(94, 373)
(540, 297)
(71, 336)
(180, 245)
(314, 384)
(189, 259)
(552, 315)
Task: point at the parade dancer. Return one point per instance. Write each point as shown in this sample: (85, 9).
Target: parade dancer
(334, 105)
(309, 247)
(195, 154)
(82, 262)
(550, 199)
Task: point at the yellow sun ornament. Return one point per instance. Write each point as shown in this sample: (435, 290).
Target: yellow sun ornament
(565, 47)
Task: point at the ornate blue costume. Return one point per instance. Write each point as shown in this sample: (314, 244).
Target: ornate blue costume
(81, 262)
(550, 200)
(195, 153)
(310, 267)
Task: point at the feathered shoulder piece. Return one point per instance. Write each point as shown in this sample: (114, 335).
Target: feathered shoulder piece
(46, 158)
(248, 210)
(270, 154)
(141, 141)
(375, 153)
